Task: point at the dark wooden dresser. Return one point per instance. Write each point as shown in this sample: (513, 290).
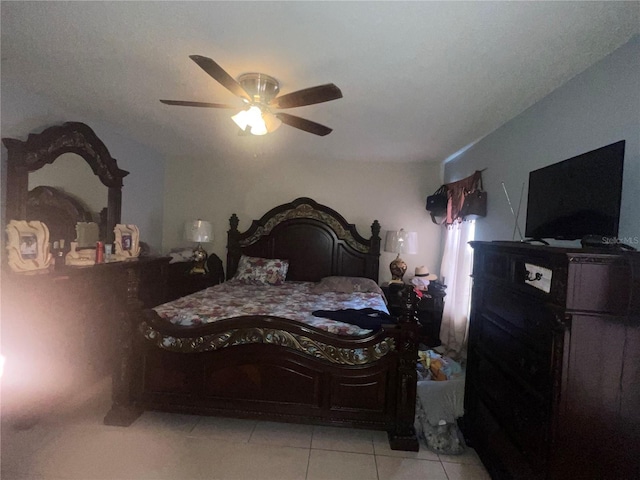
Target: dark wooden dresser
(60, 328)
(553, 374)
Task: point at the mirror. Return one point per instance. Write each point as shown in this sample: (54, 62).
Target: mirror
(71, 174)
(68, 179)
(88, 178)
(87, 234)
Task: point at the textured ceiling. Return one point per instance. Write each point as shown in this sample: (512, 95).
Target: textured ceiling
(421, 80)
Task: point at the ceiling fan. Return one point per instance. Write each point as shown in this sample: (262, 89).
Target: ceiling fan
(259, 92)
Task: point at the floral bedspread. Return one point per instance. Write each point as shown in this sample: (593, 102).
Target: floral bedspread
(292, 300)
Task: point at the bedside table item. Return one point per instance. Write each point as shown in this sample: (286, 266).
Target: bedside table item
(400, 242)
(199, 231)
(182, 282)
(422, 278)
(199, 261)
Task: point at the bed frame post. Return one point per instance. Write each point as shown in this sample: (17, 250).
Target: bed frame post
(374, 251)
(375, 238)
(404, 436)
(233, 246)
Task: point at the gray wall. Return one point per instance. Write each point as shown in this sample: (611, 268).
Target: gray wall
(143, 192)
(597, 107)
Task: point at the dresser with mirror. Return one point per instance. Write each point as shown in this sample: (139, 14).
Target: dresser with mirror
(61, 326)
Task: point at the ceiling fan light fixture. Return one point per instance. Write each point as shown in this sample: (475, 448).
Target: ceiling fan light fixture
(271, 121)
(261, 87)
(260, 94)
(259, 129)
(251, 117)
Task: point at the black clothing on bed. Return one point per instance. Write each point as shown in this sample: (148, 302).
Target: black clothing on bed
(368, 318)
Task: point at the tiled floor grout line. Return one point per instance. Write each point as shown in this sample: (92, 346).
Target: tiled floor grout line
(375, 458)
(375, 461)
(193, 427)
(253, 430)
(444, 469)
(306, 473)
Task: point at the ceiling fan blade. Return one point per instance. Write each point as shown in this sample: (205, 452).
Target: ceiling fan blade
(308, 96)
(304, 124)
(184, 103)
(218, 74)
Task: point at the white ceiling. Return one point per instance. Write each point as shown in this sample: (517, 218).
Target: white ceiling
(420, 80)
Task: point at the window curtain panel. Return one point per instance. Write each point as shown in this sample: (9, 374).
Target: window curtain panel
(457, 263)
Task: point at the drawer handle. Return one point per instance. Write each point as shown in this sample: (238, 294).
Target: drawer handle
(532, 278)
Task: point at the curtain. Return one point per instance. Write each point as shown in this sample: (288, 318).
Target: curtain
(455, 272)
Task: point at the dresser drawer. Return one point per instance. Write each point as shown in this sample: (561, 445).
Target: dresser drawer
(525, 318)
(539, 277)
(493, 264)
(493, 444)
(532, 367)
(523, 418)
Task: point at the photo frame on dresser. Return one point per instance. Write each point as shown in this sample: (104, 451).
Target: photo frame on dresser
(28, 248)
(127, 241)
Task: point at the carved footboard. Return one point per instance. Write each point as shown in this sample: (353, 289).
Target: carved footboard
(276, 369)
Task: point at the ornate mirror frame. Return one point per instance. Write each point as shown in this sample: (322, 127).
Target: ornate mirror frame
(43, 148)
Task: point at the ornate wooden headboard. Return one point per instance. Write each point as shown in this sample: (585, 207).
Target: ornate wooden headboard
(315, 239)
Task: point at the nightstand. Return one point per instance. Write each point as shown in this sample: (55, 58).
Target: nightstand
(181, 283)
(429, 311)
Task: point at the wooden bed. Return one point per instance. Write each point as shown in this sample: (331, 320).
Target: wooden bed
(272, 368)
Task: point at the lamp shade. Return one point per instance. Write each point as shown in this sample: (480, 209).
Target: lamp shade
(198, 231)
(401, 241)
(251, 117)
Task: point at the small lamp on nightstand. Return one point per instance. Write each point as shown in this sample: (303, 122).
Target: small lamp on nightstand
(199, 231)
(400, 242)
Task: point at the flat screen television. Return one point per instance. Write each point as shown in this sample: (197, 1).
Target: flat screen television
(577, 197)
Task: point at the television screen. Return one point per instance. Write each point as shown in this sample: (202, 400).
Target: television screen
(577, 197)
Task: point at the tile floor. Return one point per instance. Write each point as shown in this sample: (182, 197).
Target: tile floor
(74, 444)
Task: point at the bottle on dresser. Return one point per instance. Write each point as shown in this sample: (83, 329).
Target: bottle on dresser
(58, 253)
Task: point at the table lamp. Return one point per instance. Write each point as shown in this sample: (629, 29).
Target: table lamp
(400, 242)
(199, 231)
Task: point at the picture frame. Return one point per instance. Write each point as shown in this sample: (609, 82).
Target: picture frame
(28, 248)
(127, 241)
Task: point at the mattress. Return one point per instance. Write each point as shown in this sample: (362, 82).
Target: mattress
(291, 300)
